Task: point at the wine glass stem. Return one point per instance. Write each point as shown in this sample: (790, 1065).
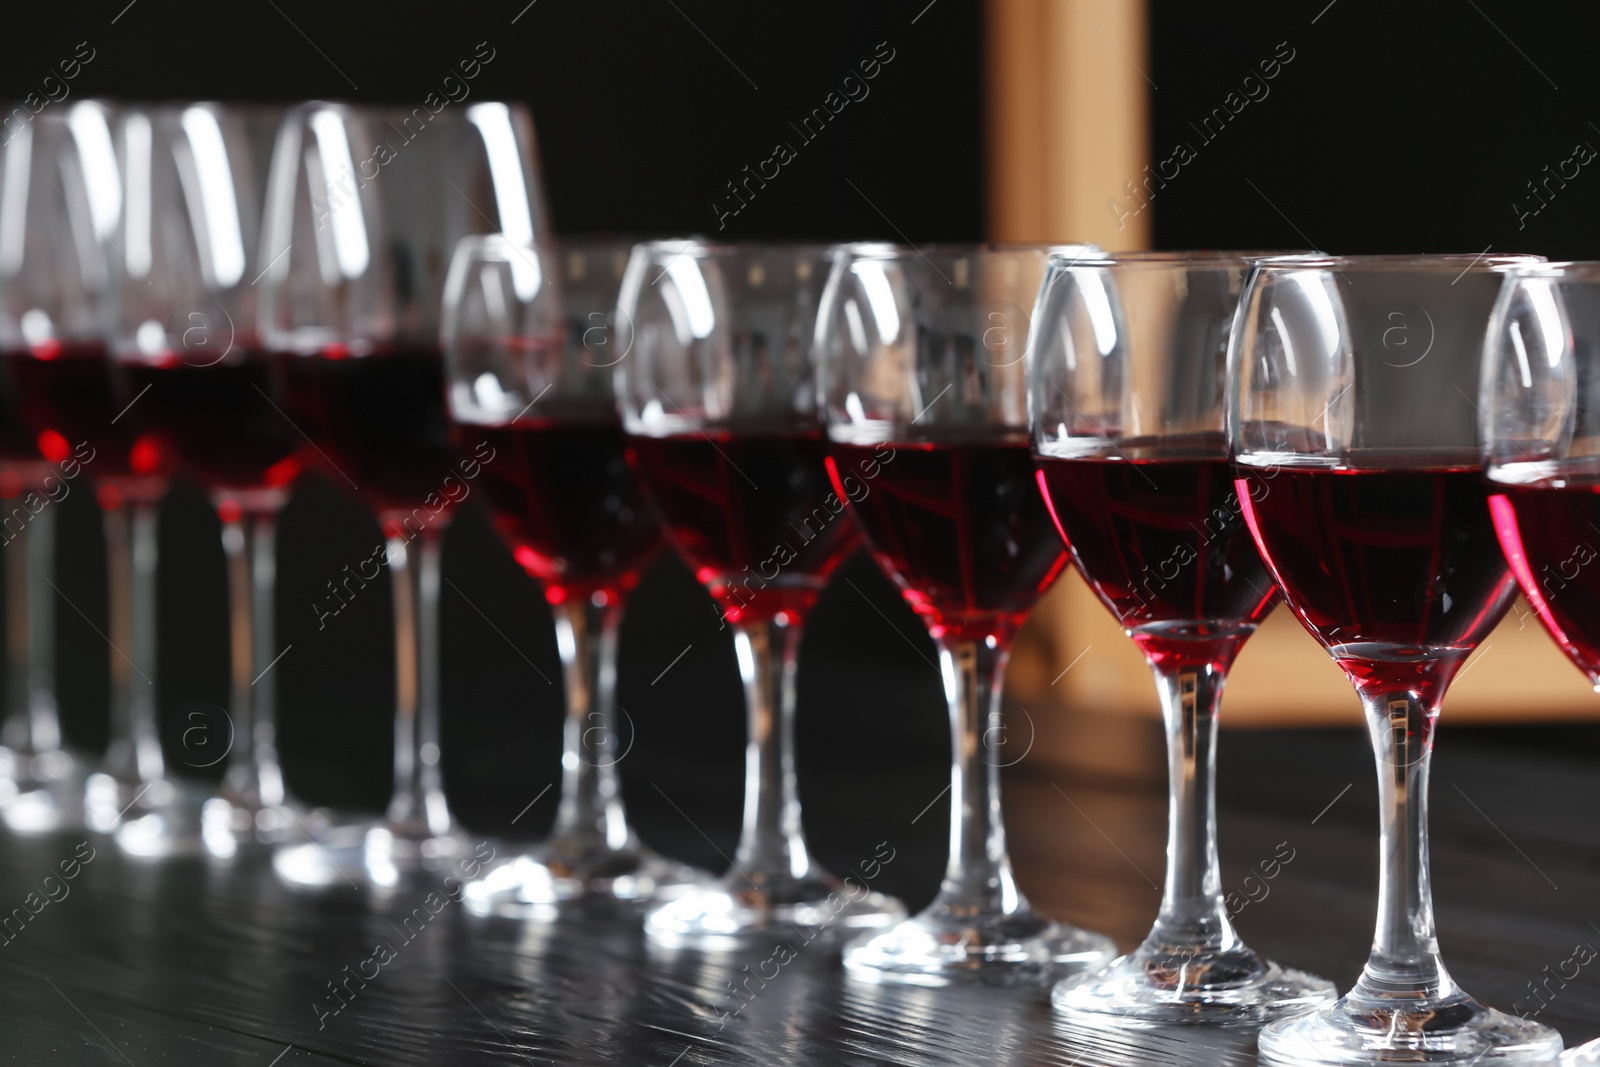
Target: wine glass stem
(772, 844)
(977, 879)
(1405, 962)
(1193, 915)
(253, 774)
(134, 753)
(591, 802)
(418, 805)
(43, 718)
(32, 725)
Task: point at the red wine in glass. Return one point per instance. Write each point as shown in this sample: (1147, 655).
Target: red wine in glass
(1388, 567)
(959, 526)
(567, 504)
(1551, 539)
(751, 513)
(71, 394)
(1163, 543)
(379, 427)
(219, 420)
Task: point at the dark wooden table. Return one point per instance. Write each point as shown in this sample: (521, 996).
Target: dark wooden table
(206, 963)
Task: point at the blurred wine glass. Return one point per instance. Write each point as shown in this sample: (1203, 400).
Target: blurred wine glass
(197, 379)
(364, 208)
(59, 204)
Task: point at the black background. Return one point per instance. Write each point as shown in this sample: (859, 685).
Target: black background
(1396, 127)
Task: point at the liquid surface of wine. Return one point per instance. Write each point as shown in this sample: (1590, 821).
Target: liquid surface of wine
(1551, 539)
(1388, 569)
(567, 505)
(1164, 545)
(752, 515)
(960, 528)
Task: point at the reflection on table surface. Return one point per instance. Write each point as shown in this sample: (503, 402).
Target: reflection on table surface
(217, 963)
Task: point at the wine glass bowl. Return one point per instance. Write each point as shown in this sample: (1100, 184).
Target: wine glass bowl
(921, 380)
(1128, 372)
(715, 385)
(1354, 417)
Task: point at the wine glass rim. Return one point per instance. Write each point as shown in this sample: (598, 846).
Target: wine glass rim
(1463, 262)
(371, 110)
(699, 246)
(1168, 257)
(557, 243)
(891, 250)
(1588, 269)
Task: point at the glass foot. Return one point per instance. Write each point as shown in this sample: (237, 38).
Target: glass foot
(943, 947)
(1226, 988)
(1583, 1056)
(368, 855)
(558, 874)
(227, 825)
(42, 793)
(733, 912)
(150, 820)
(1461, 1031)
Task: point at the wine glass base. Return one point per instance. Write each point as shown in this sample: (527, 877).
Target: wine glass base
(227, 825)
(1461, 1032)
(368, 855)
(1146, 988)
(939, 947)
(1586, 1055)
(732, 913)
(156, 820)
(42, 793)
(551, 879)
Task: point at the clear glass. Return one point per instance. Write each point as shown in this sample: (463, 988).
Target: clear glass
(62, 200)
(530, 366)
(714, 382)
(1126, 369)
(364, 207)
(182, 330)
(921, 380)
(1542, 437)
(1354, 417)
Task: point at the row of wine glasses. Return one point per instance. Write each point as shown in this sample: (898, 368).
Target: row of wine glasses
(1198, 423)
(241, 294)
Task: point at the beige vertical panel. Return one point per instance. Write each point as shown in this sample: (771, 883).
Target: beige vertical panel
(1068, 119)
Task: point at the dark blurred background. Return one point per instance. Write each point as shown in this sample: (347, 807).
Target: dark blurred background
(1394, 127)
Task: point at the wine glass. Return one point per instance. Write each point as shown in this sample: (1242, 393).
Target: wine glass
(364, 208)
(1353, 416)
(51, 283)
(531, 370)
(64, 202)
(183, 330)
(1127, 365)
(1539, 427)
(921, 380)
(715, 384)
